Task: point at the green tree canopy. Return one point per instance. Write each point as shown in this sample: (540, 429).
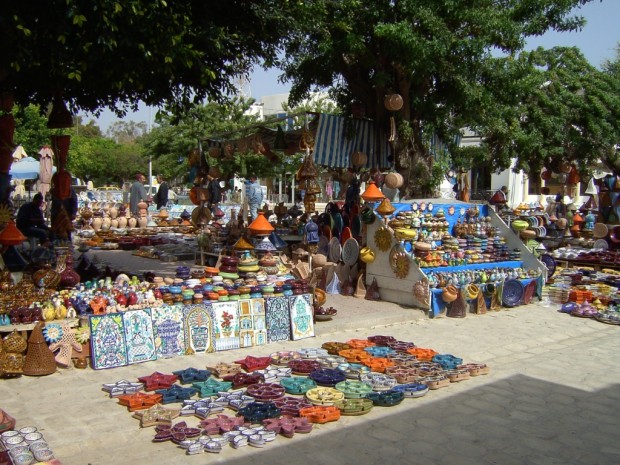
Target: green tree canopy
(445, 58)
(559, 109)
(108, 53)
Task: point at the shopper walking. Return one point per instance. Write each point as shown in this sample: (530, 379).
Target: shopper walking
(137, 194)
(254, 194)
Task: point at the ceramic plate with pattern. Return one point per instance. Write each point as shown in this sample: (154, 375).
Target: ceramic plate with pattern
(422, 206)
(350, 251)
(430, 207)
(451, 210)
(414, 206)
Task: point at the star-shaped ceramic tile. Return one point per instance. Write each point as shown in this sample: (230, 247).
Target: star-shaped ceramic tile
(250, 363)
(224, 369)
(202, 408)
(288, 426)
(156, 415)
(273, 373)
(139, 400)
(122, 387)
(244, 379)
(192, 375)
(176, 393)
(235, 399)
(220, 424)
(211, 387)
(158, 380)
(178, 433)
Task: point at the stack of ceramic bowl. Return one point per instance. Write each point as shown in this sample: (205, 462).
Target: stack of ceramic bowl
(182, 272)
(228, 267)
(26, 446)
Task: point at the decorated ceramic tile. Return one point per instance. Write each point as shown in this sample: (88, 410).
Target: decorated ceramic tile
(107, 341)
(245, 307)
(302, 325)
(277, 319)
(199, 328)
(260, 337)
(226, 316)
(168, 329)
(258, 306)
(139, 337)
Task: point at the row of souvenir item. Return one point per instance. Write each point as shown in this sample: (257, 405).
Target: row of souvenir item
(460, 278)
(135, 336)
(284, 393)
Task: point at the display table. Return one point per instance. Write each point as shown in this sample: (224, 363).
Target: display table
(438, 305)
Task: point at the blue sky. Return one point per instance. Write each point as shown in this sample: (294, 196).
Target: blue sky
(597, 40)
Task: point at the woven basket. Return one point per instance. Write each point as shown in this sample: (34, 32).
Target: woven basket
(39, 358)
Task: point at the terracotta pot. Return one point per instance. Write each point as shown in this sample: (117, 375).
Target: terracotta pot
(449, 293)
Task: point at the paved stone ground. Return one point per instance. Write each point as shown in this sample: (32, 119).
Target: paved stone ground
(552, 397)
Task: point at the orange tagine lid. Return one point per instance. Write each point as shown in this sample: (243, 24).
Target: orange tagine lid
(372, 193)
(11, 235)
(260, 226)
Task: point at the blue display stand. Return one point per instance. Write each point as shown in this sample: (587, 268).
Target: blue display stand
(438, 305)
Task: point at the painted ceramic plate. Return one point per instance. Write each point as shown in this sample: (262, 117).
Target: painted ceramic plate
(345, 235)
(323, 245)
(463, 211)
(350, 252)
(430, 207)
(512, 293)
(600, 244)
(414, 206)
(335, 250)
(451, 210)
(422, 206)
(549, 262)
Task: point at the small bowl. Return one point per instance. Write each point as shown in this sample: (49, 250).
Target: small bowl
(18, 450)
(10, 433)
(28, 430)
(33, 437)
(37, 445)
(23, 459)
(13, 441)
(43, 455)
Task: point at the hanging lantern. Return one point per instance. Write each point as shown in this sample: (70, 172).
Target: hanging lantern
(312, 186)
(372, 193)
(359, 159)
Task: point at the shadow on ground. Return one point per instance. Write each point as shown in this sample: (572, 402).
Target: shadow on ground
(517, 420)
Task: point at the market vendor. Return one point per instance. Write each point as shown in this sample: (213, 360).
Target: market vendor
(500, 198)
(31, 222)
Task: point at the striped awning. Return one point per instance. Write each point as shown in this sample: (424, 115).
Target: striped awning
(337, 138)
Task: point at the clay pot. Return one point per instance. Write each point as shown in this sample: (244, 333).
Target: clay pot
(367, 255)
(449, 293)
(318, 260)
(96, 223)
(122, 222)
(113, 212)
(132, 222)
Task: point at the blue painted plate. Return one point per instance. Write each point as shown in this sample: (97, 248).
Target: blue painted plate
(512, 293)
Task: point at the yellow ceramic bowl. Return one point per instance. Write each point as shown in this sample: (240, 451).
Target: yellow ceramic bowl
(406, 233)
(367, 255)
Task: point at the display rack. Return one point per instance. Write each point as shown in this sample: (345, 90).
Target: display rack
(400, 290)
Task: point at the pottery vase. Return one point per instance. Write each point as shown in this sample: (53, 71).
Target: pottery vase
(132, 222)
(122, 222)
(113, 212)
(142, 222)
(68, 277)
(106, 223)
(96, 223)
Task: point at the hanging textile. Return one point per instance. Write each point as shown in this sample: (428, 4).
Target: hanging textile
(46, 167)
(19, 153)
(337, 138)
